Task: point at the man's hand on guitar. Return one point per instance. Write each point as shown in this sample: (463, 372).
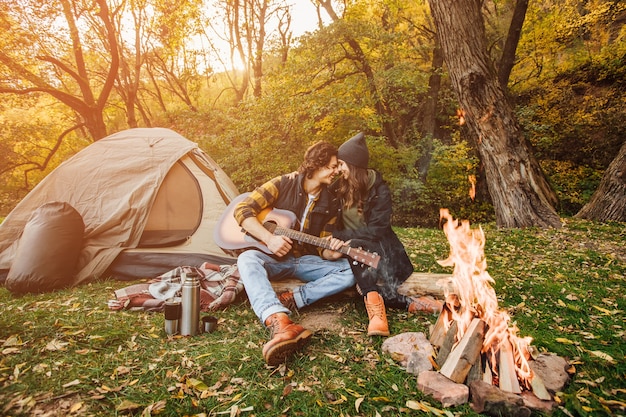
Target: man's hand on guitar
(279, 245)
(332, 254)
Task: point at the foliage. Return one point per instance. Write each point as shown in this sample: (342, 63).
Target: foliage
(67, 353)
(567, 85)
(575, 125)
(447, 185)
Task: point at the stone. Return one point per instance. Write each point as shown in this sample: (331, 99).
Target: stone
(552, 370)
(442, 389)
(531, 401)
(400, 346)
(419, 362)
(492, 401)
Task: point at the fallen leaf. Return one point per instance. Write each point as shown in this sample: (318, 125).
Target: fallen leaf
(197, 384)
(12, 341)
(76, 406)
(155, 408)
(127, 405)
(602, 355)
(605, 311)
(71, 383)
(357, 403)
(565, 341)
(56, 345)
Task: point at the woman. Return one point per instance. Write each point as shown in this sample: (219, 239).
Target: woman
(365, 221)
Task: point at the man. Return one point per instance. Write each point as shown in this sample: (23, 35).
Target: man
(325, 271)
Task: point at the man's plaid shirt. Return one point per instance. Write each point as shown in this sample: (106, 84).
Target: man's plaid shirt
(270, 195)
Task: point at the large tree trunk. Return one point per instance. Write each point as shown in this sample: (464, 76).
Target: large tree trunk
(608, 203)
(520, 192)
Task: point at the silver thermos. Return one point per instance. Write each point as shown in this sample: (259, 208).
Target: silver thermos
(190, 304)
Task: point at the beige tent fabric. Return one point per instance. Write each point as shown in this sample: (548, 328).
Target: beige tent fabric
(112, 184)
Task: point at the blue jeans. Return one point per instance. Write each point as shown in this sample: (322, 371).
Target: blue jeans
(323, 278)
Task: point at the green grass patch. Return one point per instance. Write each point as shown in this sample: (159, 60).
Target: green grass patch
(66, 352)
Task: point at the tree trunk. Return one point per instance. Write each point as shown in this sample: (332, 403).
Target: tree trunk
(510, 46)
(520, 192)
(608, 203)
(429, 120)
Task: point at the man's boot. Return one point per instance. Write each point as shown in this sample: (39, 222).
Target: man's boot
(286, 338)
(375, 306)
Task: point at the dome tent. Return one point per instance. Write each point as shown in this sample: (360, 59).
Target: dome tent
(149, 199)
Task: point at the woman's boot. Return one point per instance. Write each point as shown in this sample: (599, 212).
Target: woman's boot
(375, 306)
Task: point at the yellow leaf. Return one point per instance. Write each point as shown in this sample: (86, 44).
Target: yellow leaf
(561, 303)
(357, 403)
(604, 310)
(353, 393)
(601, 355)
(127, 406)
(385, 399)
(341, 400)
(197, 384)
(336, 357)
(76, 406)
(12, 341)
(565, 341)
(414, 405)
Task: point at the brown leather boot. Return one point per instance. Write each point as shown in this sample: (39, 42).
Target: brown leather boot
(375, 306)
(286, 299)
(286, 338)
(425, 304)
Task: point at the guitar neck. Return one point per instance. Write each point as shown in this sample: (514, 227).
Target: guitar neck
(310, 239)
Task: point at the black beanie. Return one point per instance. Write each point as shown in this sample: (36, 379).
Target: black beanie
(354, 151)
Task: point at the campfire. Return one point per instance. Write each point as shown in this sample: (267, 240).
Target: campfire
(478, 353)
(473, 309)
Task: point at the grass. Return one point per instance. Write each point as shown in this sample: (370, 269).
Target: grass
(66, 353)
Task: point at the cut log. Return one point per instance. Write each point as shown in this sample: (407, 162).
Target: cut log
(447, 345)
(421, 283)
(488, 375)
(418, 284)
(466, 353)
(289, 284)
(507, 376)
(439, 330)
(476, 371)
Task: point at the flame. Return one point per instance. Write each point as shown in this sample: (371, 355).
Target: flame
(475, 296)
(472, 191)
(460, 113)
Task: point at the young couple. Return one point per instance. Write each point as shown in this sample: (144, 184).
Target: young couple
(354, 210)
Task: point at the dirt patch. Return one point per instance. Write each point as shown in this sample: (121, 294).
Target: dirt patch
(317, 320)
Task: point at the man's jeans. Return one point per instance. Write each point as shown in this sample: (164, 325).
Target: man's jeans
(323, 278)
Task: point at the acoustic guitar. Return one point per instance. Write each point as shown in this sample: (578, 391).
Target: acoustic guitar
(231, 237)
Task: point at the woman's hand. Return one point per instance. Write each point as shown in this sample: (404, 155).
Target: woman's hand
(333, 253)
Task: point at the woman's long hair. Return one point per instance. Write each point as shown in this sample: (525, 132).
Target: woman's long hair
(353, 191)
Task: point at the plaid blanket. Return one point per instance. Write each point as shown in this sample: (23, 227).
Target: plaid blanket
(219, 286)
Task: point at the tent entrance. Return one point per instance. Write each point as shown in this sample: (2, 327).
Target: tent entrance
(177, 210)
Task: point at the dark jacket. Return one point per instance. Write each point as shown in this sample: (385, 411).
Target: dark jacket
(378, 236)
